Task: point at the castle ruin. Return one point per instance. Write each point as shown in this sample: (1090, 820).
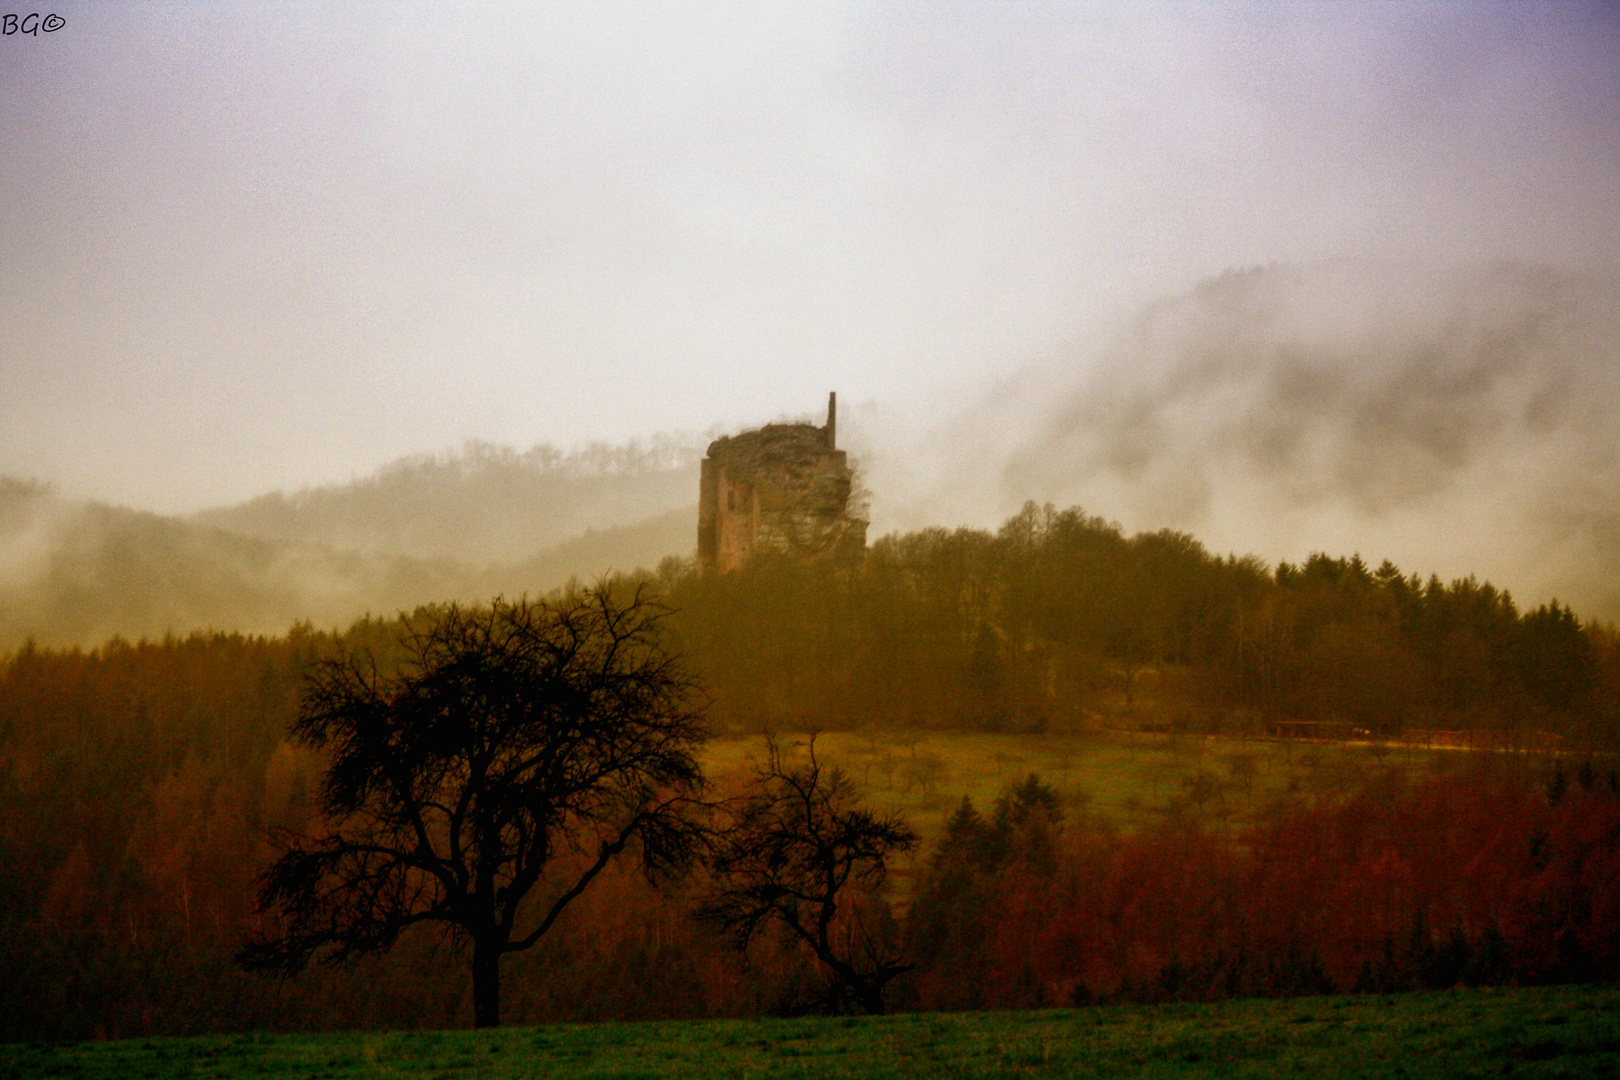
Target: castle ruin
(782, 489)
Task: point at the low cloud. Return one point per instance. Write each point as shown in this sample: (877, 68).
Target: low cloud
(1458, 420)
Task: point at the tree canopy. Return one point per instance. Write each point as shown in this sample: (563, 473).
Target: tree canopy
(519, 749)
(800, 853)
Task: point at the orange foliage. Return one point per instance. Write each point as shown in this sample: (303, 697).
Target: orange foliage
(1486, 878)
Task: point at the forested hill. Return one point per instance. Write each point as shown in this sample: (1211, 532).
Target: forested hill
(486, 504)
(137, 782)
(78, 573)
(1061, 621)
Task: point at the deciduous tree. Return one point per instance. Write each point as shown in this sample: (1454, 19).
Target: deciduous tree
(520, 749)
(799, 853)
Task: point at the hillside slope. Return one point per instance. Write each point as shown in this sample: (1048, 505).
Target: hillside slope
(77, 573)
(484, 505)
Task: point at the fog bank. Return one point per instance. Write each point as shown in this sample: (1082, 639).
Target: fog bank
(1455, 420)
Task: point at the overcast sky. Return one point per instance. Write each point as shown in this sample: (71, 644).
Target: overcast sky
(246, 247)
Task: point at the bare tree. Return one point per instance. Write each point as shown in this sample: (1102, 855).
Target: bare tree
(798, 852)
(522, 747)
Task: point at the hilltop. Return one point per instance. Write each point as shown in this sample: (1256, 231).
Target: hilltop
(422, 529)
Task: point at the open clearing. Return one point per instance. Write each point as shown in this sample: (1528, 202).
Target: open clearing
(1542, 1032)
(1131, 780)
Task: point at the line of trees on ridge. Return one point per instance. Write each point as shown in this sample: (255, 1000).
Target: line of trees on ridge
(1060, 620)
(138, 782)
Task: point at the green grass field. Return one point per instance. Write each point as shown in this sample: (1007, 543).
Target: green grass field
(1559, 1031)
(1129, 779)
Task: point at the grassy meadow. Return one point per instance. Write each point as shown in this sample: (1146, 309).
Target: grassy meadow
(1566, 1031)
(1130, 779)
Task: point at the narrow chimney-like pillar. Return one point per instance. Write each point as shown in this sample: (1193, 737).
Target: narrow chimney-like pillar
(832, 420)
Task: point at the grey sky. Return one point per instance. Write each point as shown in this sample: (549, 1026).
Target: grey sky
(245, 246)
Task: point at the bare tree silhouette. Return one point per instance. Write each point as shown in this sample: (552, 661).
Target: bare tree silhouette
(798, 852)
(522, 747)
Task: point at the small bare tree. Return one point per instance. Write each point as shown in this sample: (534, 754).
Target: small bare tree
(798, 852)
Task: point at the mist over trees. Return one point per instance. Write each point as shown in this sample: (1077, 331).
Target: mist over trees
(1456, 418)
(1459, 417)
(484, 504)
(423, 530)
(139, 780)
(1333, 546)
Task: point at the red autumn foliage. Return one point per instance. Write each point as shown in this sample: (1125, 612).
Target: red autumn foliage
(137, 783)
(1483, 878)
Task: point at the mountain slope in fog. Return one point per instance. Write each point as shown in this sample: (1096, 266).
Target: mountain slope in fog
(1463, 420)
(486, 504)
(78, 573)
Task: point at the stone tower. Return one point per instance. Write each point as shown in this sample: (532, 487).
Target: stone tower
(782, 488)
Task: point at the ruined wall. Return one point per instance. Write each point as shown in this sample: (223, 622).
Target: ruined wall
(782, 488)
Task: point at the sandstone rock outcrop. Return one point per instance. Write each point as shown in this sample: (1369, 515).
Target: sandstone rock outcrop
(783, 489)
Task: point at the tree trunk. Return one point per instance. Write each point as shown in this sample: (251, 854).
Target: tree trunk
(871, 998)
(486, 979)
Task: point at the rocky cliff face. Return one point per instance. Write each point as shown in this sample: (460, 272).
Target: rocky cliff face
(781, 489)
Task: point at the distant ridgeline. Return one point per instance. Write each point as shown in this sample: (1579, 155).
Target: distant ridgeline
(1060, 621)
(424, 529)
(136, 781)
(782, 489)
(484, 504)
